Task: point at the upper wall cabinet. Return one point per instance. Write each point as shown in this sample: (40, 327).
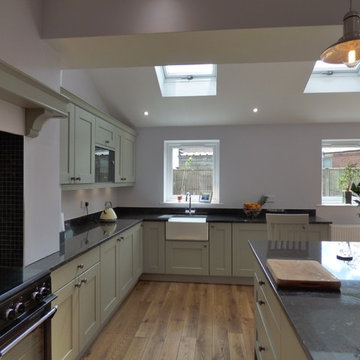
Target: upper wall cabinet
(125, 158)
(85, 128)
(77, 139)
(105, 133)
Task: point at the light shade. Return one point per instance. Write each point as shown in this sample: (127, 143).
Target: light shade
(347, 49)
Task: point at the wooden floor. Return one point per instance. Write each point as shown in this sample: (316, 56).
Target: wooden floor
(180, 321)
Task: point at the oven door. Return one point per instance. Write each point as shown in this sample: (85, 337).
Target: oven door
(30, 338)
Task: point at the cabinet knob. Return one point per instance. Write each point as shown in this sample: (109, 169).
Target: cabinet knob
(78, 178)
(107, 141)
(80, 266)
(78, 285)
(260, 302)
(84, 281)
(261, 282)
(261, 348)
(72, 178)
(205, 246)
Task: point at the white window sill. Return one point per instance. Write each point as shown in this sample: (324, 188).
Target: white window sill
(186, 204)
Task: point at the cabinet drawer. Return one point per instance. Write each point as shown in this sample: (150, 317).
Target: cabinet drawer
(263, 346)
(271, 324)
(262, 281)
(76, 267)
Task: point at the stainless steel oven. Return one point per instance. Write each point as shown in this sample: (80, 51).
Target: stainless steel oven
(25, 320)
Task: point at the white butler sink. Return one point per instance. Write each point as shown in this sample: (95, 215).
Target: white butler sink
(187, 228)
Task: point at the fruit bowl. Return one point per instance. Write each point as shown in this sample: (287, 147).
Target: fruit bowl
(252, 212)
(252, 209)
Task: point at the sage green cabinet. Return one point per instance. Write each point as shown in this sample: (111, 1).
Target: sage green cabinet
(77, 145)
(124, 158)
(154, 247)
(109, 266)
(242, 256)
(187, 257)
(105, 133)
(220, 249)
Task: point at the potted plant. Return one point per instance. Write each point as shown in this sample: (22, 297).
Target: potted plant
(347, 178)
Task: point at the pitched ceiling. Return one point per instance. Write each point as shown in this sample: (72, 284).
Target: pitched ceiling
(265, 55)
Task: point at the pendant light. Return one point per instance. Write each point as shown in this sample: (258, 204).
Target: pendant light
(347, 49)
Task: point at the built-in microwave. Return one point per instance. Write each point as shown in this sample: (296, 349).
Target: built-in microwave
(104, 165)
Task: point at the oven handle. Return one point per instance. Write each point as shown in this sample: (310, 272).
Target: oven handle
(47, 316)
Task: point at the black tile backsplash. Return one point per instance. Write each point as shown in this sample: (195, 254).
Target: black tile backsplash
(11, 199)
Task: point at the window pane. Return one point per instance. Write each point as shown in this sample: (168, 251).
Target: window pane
(192, 169)
(336, 155)
(194, 70)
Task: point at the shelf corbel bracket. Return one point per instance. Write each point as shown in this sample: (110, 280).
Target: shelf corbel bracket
(35, 118)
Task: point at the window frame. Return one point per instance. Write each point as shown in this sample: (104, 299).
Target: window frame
(168, 197)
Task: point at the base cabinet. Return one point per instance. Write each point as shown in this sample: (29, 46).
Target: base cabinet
(274, 336)
(187, 257)
(220, 249)
(154, 247)
(77, 321)
(242, 256)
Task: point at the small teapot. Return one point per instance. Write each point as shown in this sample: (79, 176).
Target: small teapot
(108, 214)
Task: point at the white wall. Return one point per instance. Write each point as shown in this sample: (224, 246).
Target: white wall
(282, 160)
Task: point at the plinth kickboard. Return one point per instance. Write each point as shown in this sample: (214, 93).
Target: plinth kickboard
(305, 274)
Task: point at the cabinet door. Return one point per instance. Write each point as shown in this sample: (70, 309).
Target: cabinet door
(67, 146)
(125, 158)
(242, 255)
(154, 247)
(220, 249)
(137, 250)
(125, 251)
(109, 277)
(89, 305)
(105, 133)
(65, 323)
(187, 257)
(84, 146)
(319, 232)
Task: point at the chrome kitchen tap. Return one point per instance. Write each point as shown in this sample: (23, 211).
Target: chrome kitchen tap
(189, 210)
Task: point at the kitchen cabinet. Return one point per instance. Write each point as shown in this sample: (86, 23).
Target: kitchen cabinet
(187, 257)
(220, 249)
(154, 247)
(124, 158)
(121, 266)
(274, 336)
(138, 250)
(241, 233)
(77, 321)
(77, 145)
(109, 280)
(105, 133)
(242, 256)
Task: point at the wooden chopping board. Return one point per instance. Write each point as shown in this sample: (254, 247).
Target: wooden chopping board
(304, 274)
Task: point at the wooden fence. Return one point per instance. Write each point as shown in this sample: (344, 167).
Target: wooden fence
(194, 181)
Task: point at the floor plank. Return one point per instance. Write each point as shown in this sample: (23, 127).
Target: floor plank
(179, 321)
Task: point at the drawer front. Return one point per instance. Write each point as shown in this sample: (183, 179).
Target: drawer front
(271, 299)
(74, 268)
(263, 348)
(271, 324)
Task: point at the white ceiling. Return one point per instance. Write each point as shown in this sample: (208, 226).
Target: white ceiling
(267, 68)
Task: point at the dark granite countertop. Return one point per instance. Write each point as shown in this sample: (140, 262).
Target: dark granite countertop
(327, 323)
(213, 214)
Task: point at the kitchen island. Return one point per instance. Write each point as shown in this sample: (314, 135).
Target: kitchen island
(325, 324)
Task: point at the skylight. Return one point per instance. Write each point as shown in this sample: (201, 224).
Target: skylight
(187, 80)
(333, 78)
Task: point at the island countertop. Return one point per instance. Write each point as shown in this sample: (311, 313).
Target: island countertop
(327, 324)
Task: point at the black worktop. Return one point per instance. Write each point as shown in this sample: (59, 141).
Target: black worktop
(327, 323)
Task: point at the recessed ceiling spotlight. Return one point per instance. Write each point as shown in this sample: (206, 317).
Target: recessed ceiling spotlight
(146, 113)
(255, 110)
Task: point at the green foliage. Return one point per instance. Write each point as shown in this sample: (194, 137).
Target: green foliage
(350, 174)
